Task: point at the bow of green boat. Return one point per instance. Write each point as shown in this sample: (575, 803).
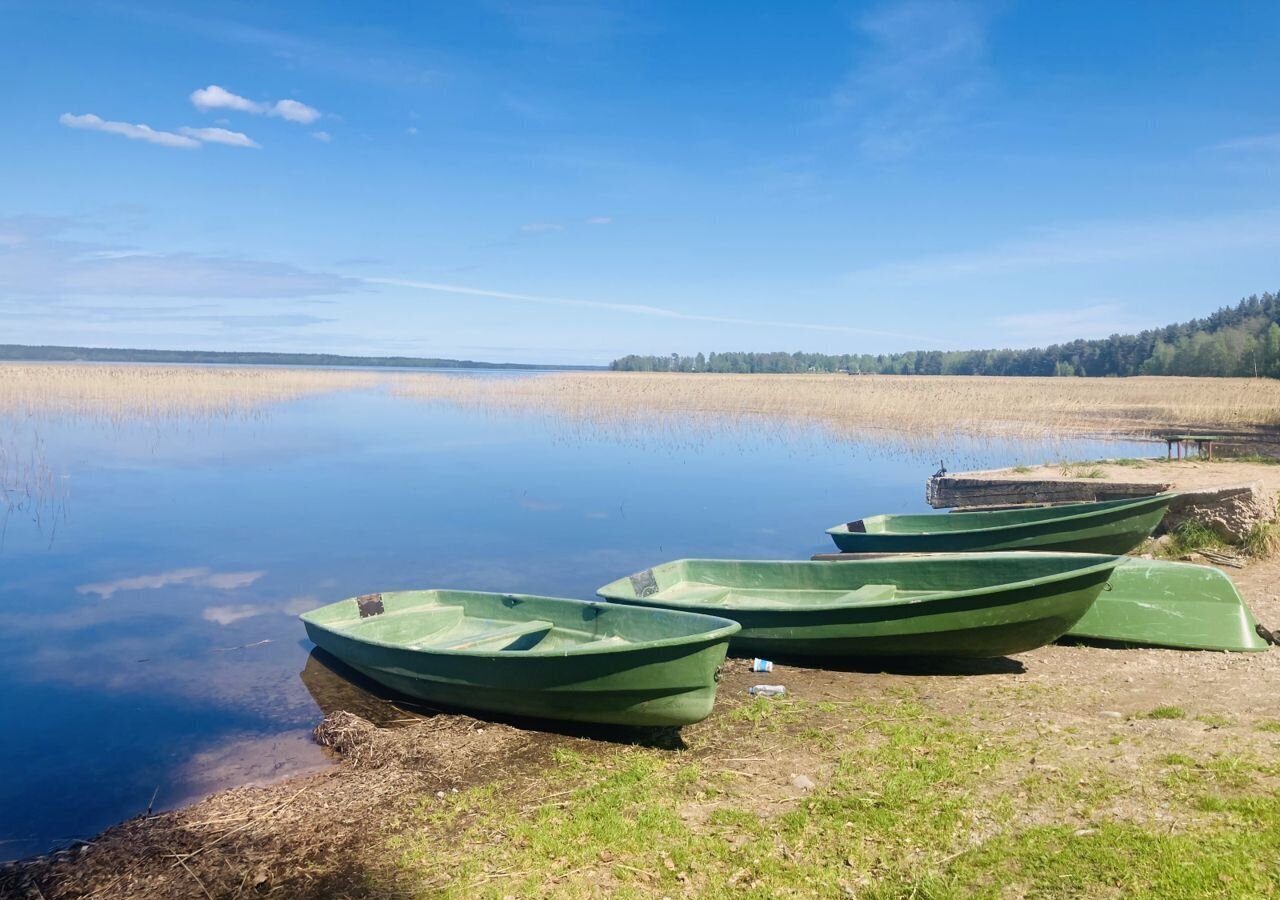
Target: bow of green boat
(961, 605)
(1171, 604)
(1109, 527)
(544, 657)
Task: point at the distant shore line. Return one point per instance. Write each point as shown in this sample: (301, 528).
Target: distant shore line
(50, 353)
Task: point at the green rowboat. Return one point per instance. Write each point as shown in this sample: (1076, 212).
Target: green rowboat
(543, 657)
(1171, 604)
(955, 605)
(1111, 526)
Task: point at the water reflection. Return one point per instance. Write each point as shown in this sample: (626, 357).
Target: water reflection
(905, 415)
(229, 615)
(199, 577)
(335, 686)
(243, 759)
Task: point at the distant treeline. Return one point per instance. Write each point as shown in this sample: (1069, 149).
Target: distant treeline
(221, 357)
(1241, 340)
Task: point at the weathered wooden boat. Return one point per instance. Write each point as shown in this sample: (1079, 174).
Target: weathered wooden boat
(956, 605)
(1110, 526)
(544, 657)
(1171, 604)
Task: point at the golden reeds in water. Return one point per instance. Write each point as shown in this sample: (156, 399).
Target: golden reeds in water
(30, 393)
(904, 404)
(159, 391)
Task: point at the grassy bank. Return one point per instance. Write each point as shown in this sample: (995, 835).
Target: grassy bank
(905, 802)
(924, 405)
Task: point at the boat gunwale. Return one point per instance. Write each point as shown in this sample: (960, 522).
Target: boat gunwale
(723, 632)
(1112, 562)
(1095, 508)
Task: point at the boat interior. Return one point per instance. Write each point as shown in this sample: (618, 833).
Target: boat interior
(448, 627)
(702, 593)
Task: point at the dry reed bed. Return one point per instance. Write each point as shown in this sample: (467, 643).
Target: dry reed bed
(905, 404)
(160, 391)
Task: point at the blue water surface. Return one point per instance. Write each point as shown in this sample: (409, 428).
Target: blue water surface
(150, 650)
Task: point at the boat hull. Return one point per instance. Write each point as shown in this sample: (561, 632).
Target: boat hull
(1169, 604)
(1112, 527)
(967, 605)
(661, 681)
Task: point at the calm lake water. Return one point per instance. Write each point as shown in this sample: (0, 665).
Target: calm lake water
(149, 645)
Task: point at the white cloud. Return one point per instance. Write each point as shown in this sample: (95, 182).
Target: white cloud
(1089, 244)
(1053, 326)
(293, 111)
(36, 260)
(216, 97)
(220, 136)
(323, 137)
(638, 309)
(1264, 142)
(541, 227)
(134, 132)
(599, 220)
(924, 65)
(411, 130)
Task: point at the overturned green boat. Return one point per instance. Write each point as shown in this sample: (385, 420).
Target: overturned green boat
(954, 605)
(1110, 526)
(544, 657)
(1171, 604)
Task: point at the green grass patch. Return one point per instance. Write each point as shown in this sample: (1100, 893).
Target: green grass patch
(1081, 470)
(1272, 726)
(1022, 470)
(1263, 540)
(634, 822)
(908, 803)
(1166, 712)
(770, 713)
(1189, 537)
(1093, 468)
(1256, 458)
(1123, 859)
(1132, 462)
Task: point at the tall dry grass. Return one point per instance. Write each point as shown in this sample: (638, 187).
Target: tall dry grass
(904, 404)
(159, 391)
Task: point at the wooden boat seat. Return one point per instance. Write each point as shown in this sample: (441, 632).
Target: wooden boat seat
(870, 593)
(502, 638)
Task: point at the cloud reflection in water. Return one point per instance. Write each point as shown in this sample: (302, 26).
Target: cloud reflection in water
(198, 577)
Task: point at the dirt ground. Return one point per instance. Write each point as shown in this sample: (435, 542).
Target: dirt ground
(325, 835)
(1183, 475)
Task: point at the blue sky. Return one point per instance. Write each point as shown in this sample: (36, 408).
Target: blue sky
(570, 181)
